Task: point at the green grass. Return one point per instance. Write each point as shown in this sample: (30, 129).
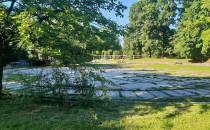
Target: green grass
(143, 60)
(173, 69)
(16, 114)
(168, 66)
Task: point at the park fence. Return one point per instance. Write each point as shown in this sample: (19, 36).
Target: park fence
(118, 57)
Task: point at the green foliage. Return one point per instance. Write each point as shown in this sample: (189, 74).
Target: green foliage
(205, 4)
(192, 38)
(132, 44)
(169, 28)
(98, 52)
(149, 30)
(61, 32)
(205, 36)
(8, 37)
(104, 40)
(65, 30)
(117, 54)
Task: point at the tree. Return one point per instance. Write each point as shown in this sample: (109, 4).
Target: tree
(8, 38)
(191, 38)
(61, 29)
(104, 40)
(150, 21)
(205, 36)
(132, 43)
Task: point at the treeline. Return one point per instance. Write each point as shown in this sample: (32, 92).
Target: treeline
(169, 28)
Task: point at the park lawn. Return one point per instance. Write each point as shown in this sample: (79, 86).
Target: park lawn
(20, 114)
(144, 60)
(163, 65)
(172, 69)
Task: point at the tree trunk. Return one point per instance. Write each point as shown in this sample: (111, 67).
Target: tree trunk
(150, 53)
(1, 71)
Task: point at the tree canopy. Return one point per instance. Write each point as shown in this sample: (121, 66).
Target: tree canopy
(169, 28)
(192, 35)
(149, 28)
(62, 30)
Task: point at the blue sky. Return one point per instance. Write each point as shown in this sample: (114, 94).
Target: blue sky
(125, 19)
(119, 20)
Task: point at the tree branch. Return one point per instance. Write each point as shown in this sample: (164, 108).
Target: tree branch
(11, 7)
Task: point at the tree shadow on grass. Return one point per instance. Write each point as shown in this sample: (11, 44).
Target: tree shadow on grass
(204, 108)
(100, 115)
(118, 111)
(169, 118)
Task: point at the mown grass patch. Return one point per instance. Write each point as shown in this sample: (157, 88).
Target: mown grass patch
(25, 114)
(171, 66)
(169, 69)
(143, 60)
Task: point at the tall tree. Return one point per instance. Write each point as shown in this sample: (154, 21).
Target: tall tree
(60, 29)
(8, 38)
(132, 42)
(151, 21)
(205, 36)
(191, 38)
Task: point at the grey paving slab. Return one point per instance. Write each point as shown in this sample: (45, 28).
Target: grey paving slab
(13, 85)
(144, 95)
(204, 91)
(138, 86)
(196, 92)
(186, 93)
(128, 94)
(159, 94)
(172, 93)
(113, 94)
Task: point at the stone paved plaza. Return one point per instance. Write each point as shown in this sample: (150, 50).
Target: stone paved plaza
(133, 84)
(152, 85)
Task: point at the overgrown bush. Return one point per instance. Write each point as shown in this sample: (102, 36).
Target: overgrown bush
(66, 85)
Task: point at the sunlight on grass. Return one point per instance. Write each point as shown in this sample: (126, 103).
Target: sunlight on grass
(183, 118)
(163, 64)
(113, 116)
